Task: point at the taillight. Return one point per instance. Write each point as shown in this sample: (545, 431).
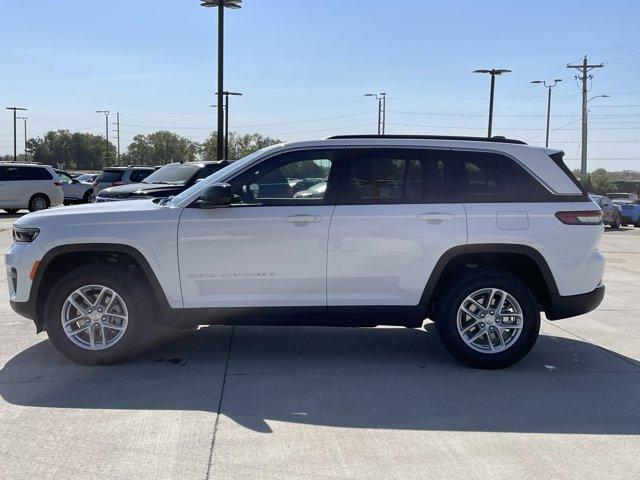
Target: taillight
(57, 184)
(115, 184)
(588, 217)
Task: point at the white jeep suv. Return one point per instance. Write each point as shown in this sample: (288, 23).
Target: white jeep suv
(479, 235)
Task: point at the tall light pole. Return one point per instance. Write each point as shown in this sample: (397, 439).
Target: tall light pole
(493, 72)
(382, 109)
(106, 135)
(221, 5)
(226, 121)
(24, 119)
(15, 142)
(548, 86)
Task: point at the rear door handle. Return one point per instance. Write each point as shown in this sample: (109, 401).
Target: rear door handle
(434, 218)
(303, 219)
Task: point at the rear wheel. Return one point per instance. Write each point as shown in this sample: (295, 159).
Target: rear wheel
(96, 315)
(39, 202)
(616, 222)
(11, 211)
(86, 198)
(488, 319)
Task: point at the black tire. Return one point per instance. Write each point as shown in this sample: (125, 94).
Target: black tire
(11, 211)
(86, 198)
(616, 222)
(35, 204)
(132, 292)
(446, 318)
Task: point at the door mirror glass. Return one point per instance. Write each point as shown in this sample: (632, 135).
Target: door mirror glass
(215, 195)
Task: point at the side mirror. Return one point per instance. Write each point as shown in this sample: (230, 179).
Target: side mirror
(215, 195)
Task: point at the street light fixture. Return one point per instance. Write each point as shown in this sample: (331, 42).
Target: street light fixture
(24, 119)
(548, 86)
(221, 5)
(106, 135)
(382, 109)
(15, 144)
(493, 72)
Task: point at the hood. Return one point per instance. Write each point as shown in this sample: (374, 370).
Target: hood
(136, 190)
(89, 213)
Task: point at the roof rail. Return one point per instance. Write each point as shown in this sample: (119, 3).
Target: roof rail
(431, 137)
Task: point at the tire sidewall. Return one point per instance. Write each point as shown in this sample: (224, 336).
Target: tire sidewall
(446, 320)
(120, 282)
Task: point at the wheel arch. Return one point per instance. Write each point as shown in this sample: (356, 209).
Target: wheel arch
(64, 258)
(521, 260)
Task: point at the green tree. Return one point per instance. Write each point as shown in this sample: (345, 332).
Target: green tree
(239, 145)
(160, 148)
(82, 151)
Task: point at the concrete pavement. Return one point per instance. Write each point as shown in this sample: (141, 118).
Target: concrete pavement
(302, 403)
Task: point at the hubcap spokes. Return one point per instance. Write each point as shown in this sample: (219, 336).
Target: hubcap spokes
(489, 320)
(94, 317)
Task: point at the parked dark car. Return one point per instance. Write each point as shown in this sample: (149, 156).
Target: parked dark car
(169, 180)
(611, 212)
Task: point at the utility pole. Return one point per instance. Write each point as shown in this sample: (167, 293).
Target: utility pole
(382, 109)
(226, 120)
(584, 68)
(548, 87)
(15, 142)
(106, 136)
(493, 72)
(24, 119)
(117, 124)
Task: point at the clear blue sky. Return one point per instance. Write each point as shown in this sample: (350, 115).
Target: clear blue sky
(305, 65)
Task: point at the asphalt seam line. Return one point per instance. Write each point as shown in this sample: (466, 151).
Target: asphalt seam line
(215, 425)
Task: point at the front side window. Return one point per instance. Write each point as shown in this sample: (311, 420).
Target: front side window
(64, 178)
(272, 181)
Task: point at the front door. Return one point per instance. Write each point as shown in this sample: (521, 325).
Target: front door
(269, 248)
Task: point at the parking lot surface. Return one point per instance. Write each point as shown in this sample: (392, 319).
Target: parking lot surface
(303, 403)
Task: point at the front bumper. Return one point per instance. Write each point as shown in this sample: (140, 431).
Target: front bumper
(574, 305)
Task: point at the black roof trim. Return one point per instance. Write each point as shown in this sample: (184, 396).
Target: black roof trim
(431, 137)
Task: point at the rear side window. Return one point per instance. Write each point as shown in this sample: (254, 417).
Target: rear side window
(139, 175)
(491, 177)
(24, 173)
(401, 176)
(110, 176)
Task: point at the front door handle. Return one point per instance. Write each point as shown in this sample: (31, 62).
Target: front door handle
(434, 218)
(301, 219)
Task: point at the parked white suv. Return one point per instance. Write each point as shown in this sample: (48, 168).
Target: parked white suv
(29, 185)
(479, 235)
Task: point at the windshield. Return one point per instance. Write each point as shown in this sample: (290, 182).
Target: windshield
(173, 174)
(220, 174)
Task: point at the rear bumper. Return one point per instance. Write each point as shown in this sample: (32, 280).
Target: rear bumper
(574, 305)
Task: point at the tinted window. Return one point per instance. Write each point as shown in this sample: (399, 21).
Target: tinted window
(401, 176)
(24, 173)
(139, 175)
(110, 176)
(490, 177)
(271, 182)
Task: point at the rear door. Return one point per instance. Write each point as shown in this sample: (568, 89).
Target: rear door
(398, 213)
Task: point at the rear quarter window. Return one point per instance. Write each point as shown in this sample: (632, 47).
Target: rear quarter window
(487, 177)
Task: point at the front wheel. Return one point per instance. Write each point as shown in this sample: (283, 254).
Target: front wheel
(488, 319)
(96, 315)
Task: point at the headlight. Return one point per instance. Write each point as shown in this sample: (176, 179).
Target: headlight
(25, 235)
